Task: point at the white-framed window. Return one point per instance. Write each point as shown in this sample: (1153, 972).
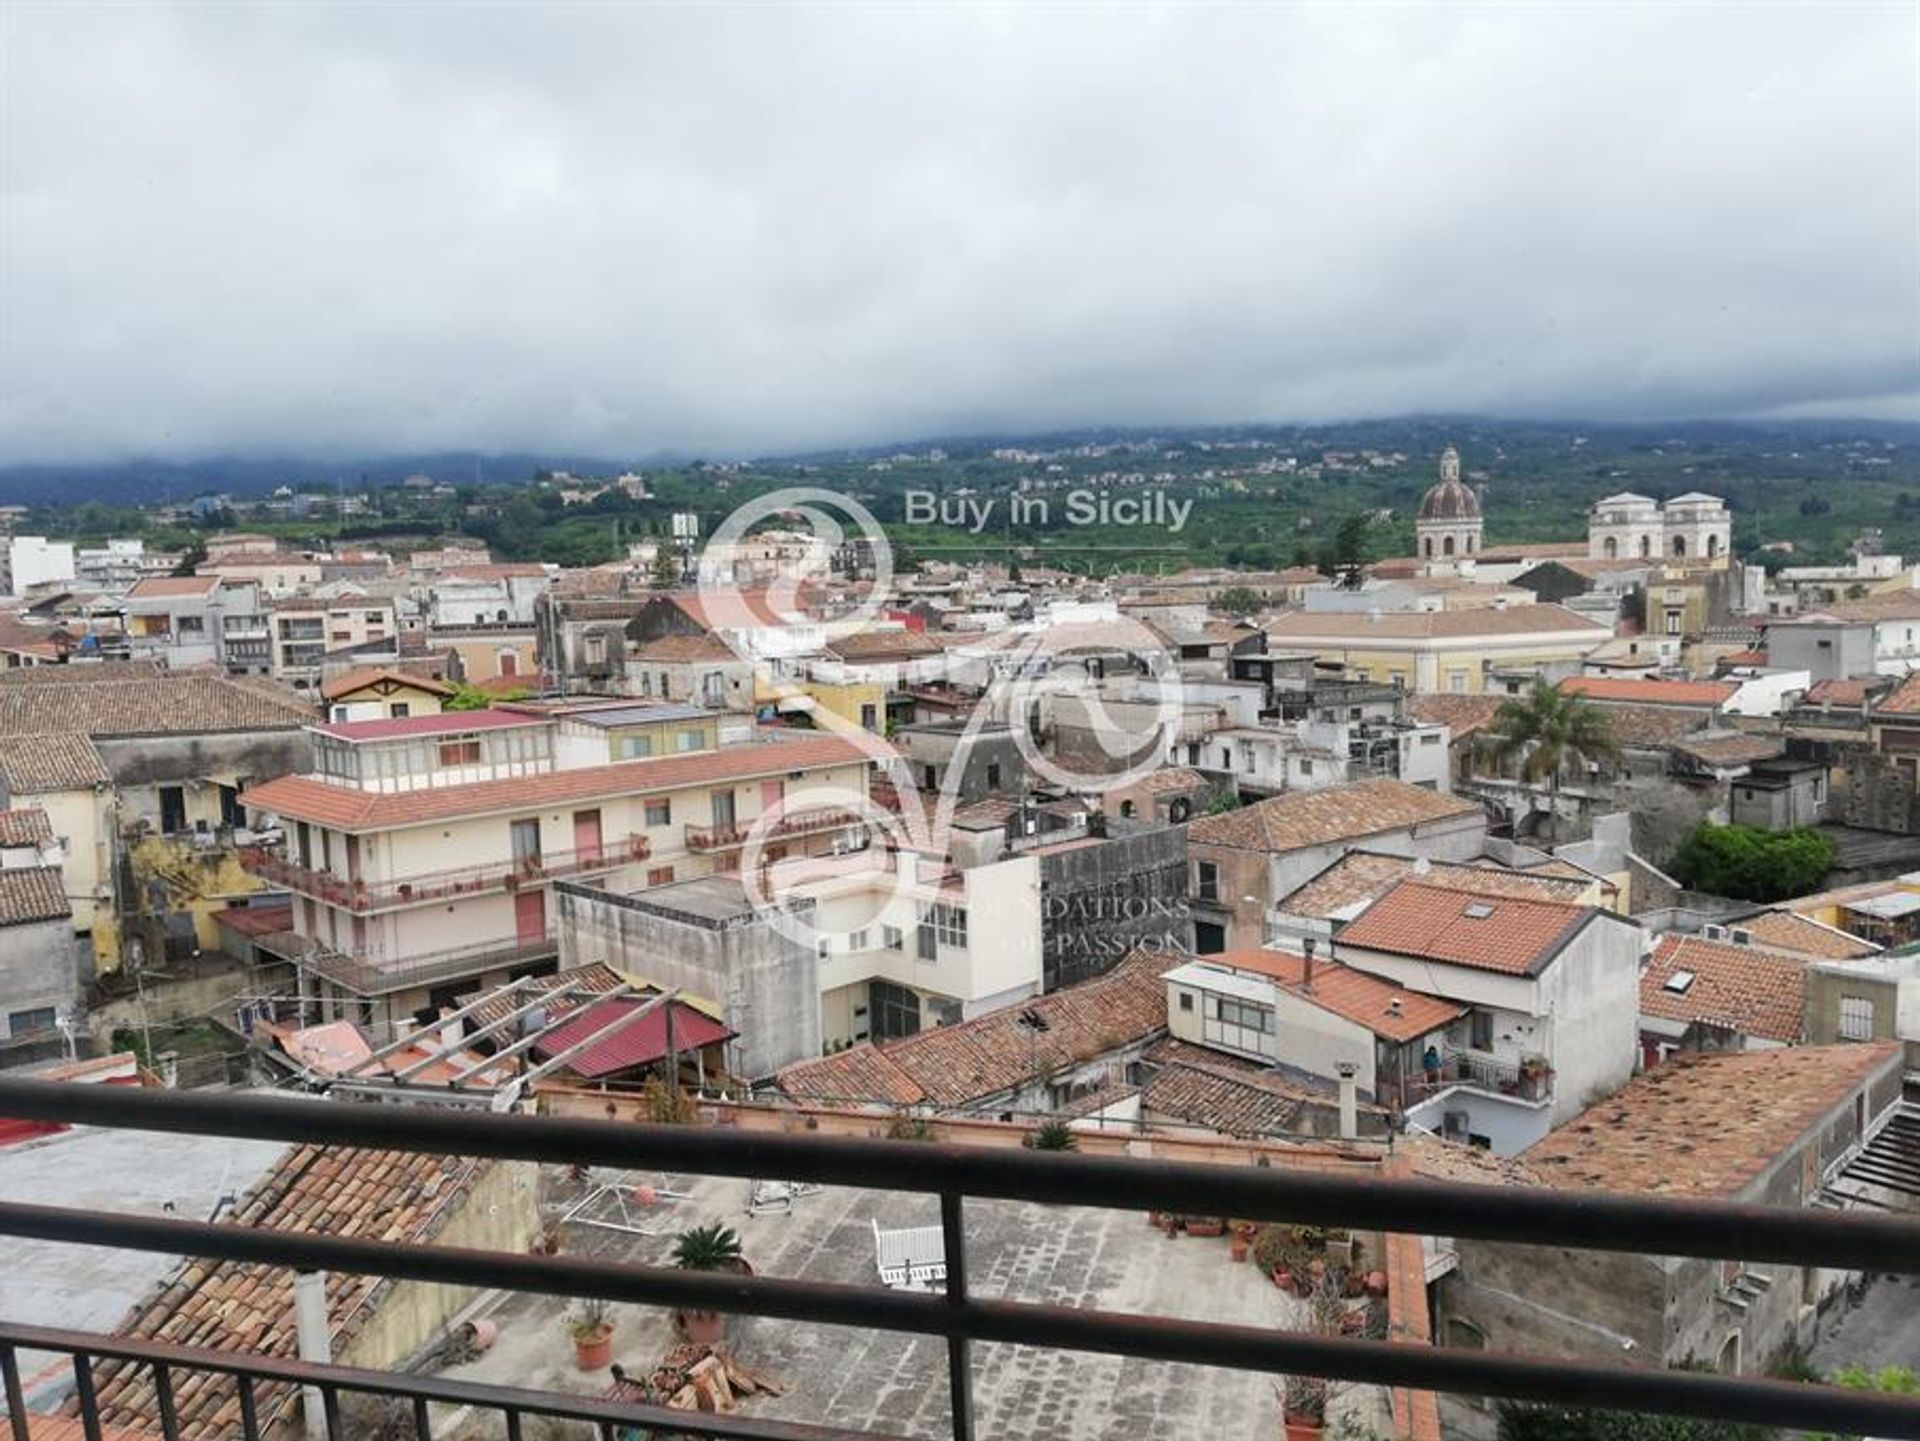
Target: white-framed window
(858, 940)
(660, 813)
(949, 923)
(1856, 1018)
(891, 937)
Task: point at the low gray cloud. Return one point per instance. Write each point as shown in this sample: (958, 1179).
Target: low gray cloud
(606, 230)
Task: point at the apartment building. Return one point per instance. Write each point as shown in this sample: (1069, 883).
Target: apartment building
(1552, 995)
(307, 627)
(421, 850)
(1490, 649)
(192, 620)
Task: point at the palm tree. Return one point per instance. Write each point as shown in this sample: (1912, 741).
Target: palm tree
(707, 1248)
(1547, 730)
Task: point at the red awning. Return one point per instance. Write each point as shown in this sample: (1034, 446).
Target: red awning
(641, 1044)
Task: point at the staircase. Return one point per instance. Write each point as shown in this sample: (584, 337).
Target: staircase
(1886, 1174)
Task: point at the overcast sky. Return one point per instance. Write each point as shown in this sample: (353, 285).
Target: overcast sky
(600, 230)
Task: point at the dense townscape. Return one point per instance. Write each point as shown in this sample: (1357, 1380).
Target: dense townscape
(1589, 863)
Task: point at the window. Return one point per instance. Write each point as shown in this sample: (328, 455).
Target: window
(1480, 1031)
(949, 923)
(1126, 810)
(460, 753)
(375, 617)
(659, 813)
(1246, 1015)
(1186, 1000)
(690, 740)
(1306, 766)
(596, 648)
(1457, 681)
(869, 718)
(891, 937)
(399, 710)
(660, 876)
(722, 804)
(993, 778)
(634, 748)
(195, 625)
(858, 940)
(1206, 880)
(1856, 1018)
(21, 1023)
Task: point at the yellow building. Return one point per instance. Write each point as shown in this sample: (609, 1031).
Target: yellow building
(377, 694)
(1489, 649)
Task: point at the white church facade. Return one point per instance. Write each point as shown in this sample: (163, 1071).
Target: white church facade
(1690, 528)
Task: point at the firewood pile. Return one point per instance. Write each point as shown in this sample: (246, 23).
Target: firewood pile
(697, 1377)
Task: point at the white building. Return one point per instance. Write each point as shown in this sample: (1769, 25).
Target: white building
(1689, 527)
(32, 560)
(1449, 527)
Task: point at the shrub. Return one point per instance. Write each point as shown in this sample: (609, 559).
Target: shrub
(1751, 864)
(1053, 1136)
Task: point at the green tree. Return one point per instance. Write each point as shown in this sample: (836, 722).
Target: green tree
(1546, 730)
(1237, 600)
(1888, 1380)
(666, 567)
(467, 697)
(1053, 1136)
(1520, 1422)
(1752, 864)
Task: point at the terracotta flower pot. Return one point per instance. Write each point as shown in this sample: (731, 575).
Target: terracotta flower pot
(1283, 1278)
(1303, 1428)
(593, 1351)
(1238, 1247)
(702, 1327)
(1376, 1283)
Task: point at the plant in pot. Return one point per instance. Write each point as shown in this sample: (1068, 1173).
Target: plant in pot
(1052, 1136)
(591, 1327)
(1304, 1406)
(707, 1248)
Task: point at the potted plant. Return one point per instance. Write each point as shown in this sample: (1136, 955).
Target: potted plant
(1052, 1136)
(591, 1327)
(1305, 1407)
(707, 1248)
(1238, 1245)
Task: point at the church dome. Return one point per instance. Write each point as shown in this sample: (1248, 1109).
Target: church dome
(1450, 500)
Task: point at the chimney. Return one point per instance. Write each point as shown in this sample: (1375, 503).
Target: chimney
(315, 1344)
(1349, 1101)
(1307, 945)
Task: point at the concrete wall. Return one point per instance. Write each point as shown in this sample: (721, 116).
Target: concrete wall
(37, 969)
(140, 765)
(500, 1213)
(1099, 902)
(765, 985)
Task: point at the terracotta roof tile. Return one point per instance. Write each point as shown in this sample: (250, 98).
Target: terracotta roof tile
(346, 808)
(1208, 1088)
(82, 673)
(36, 764)
(1710, 694)
(26, 827)
(29, 894)
(682, 649)
(1731, 750)
(1463, 715)
(1465, 928)
(883, 645)
(1362, 876)
(1903, 700)
(166, 705)
(162, 587)
(1312, 818)
(1747, 990)
(1803, 936)
(368, 676)
(1388, 1010)
(227, 1305)
(1356, 626)
(1705, 1125)
(953, 1065)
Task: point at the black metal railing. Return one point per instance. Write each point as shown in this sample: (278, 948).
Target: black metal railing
(1874, 1242)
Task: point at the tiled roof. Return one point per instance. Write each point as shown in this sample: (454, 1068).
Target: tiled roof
(1169, 780)
(444, 723)
(159, 587)
(361, 679)
(1900, 605)
(1747, 990)
(1708, 693)
(1361, 876)
(345, 808)
(1540, 550)
(230, 1306)
(681, 649)
(1207, 1088)
(1313, 818)
(33, 764)
(26, 827)
(1731, 750)
(256, 920)
(1465, 928)
(1387, 1010)
(1848, 692)
(595, 977)
(1904, 699)
(1802, 936)
(1646, 727)
(1357, 626)
(883, 645)
(30, 894)
(994, 1053)
(166, 705)
(1463, 715)
(70, 1428)
(81, 673)
(1705, 1125)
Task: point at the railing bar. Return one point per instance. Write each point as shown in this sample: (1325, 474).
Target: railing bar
(513, 1424)
(249, 1409)
(163, 1395)
(1583, 1219)
(330, 1409)
(16, 1402)
(953, 1239)
(89, 1398)
(422, 1420)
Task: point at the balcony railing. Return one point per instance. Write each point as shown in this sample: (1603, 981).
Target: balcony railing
(1656, 1226)
(371, 974)
(364, 897)
(703, 840)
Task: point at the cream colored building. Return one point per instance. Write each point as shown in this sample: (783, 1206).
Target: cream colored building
(1489, 649)
(420, 851)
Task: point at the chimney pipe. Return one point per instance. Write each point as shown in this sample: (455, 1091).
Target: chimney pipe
(1306, 948)
(1349, 1101)
(315, 1344)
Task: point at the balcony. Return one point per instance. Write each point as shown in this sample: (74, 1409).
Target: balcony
(1476, 1069)
(704, 840)
(371, 973)
(957, 1176)
(363, 897)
